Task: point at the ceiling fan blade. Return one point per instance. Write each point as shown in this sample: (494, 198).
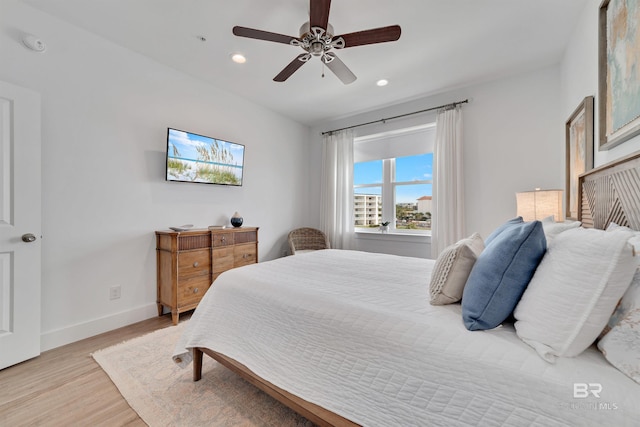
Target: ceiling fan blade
(376, 35)
(292, 67)
(262, 35)
(338, 68)
(319, 13)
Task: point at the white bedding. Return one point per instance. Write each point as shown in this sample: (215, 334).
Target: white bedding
(354, 333)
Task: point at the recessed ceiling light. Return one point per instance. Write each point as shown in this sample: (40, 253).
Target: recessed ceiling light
(382, 82)
(238, 58)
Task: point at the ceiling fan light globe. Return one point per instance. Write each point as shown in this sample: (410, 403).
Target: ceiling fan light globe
(316, 48)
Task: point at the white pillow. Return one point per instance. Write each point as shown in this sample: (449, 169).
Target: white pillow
(552, 228)
(574, 291)
(452, 269)
(621, 344)
(613, 226)
(634, 241)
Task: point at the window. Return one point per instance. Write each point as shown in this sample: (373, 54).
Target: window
(396, 186)
(367, 193)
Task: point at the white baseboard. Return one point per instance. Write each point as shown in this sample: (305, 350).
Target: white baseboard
(63, 336)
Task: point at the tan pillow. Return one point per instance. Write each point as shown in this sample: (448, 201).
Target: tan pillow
(452, 269)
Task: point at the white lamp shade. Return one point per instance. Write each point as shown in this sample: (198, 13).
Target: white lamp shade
(539, 204)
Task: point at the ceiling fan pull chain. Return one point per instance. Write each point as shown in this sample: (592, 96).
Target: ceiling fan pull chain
(322, 69)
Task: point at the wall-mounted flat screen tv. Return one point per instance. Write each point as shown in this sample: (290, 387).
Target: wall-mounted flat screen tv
(196, 158)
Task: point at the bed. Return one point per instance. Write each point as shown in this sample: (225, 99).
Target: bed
(350, 338)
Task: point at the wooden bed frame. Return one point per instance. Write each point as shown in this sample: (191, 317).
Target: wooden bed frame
(312, 412)
(610, 193)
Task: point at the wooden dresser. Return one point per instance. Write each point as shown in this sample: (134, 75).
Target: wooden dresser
(189, 261)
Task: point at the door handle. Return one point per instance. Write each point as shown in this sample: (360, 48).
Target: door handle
(28, 238)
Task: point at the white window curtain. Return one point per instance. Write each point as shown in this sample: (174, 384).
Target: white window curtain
(448, 189)
(336, 200)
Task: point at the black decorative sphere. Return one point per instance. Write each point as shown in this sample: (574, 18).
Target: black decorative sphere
(236, 220)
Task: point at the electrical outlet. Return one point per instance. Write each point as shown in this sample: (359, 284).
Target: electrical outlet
(114, 292)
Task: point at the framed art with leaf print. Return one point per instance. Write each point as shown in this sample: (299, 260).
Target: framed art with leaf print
(618, 72)
(579, 152)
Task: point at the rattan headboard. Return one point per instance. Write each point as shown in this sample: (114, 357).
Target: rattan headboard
(611, 193)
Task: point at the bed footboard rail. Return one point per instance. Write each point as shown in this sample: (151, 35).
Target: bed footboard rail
(314, 413)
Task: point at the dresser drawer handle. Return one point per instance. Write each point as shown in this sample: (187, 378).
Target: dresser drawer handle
(195, 290)
(195, 264)
(246, 256)
(223, 239)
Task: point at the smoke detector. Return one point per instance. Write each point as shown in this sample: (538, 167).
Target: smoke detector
(34, 43)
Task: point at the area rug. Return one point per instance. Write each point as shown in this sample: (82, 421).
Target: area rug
(163, 394)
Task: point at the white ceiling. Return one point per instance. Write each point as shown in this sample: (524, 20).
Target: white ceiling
(445, 44)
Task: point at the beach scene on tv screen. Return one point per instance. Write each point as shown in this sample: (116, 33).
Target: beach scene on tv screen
(196, 158)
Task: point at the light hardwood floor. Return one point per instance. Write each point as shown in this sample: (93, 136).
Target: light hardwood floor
(66, 387)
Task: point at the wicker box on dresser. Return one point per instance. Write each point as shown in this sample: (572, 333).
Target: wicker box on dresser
(189, 261)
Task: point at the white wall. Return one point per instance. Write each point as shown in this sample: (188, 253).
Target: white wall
(105, 113)
(579, 71)
(513, 141)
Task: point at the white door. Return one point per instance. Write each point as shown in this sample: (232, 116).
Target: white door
(20, 224)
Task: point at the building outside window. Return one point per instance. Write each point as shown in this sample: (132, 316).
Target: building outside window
(393, 180)
(367, 210)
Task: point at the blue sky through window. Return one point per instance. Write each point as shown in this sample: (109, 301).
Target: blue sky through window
(411, 193)
(367, 172)
(411, 168)
(415, 168)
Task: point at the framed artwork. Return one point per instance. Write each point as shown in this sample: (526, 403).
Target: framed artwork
(579, 151)
(618, 76)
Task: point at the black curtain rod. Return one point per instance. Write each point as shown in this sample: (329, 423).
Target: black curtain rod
(452, 105)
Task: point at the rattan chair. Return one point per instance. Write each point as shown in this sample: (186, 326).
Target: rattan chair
(307, 239)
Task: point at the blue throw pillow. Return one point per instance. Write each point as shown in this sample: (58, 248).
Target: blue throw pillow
(497, 231)
(501, 274)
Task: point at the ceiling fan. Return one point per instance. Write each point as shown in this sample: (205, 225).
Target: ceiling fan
(317, 39)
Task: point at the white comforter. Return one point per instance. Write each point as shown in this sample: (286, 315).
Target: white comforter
(354, 332)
